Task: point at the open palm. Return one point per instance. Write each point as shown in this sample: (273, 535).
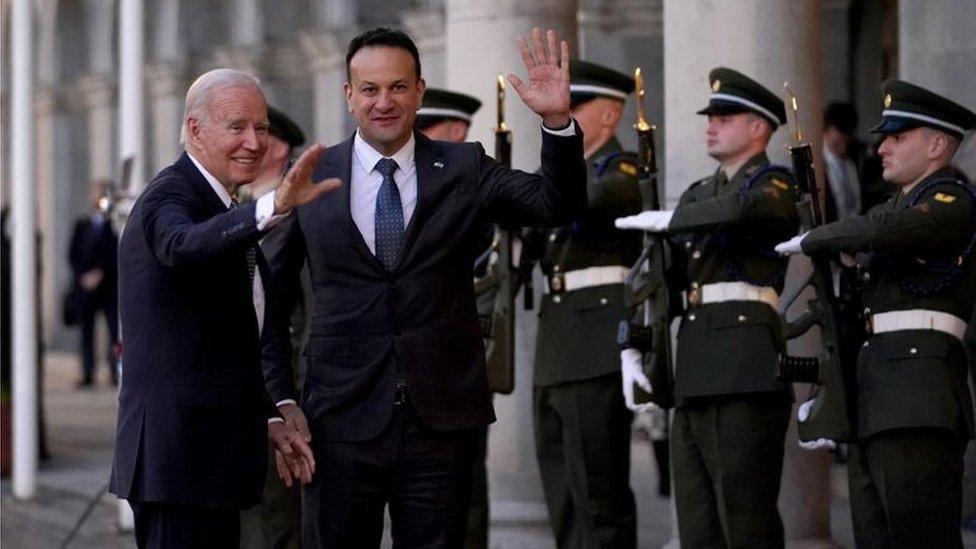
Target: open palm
(547, 89)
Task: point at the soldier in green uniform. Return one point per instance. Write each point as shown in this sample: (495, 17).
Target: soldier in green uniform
(446, 116)
(915, 253)
(731, 413)
(582, 428)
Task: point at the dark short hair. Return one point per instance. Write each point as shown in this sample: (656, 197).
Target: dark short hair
(382, 36)
(842, 116)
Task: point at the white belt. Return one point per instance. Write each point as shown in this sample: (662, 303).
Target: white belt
(918, 319)
(733, 291)
(586, 278)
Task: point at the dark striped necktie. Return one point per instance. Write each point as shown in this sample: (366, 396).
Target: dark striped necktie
(252, 252)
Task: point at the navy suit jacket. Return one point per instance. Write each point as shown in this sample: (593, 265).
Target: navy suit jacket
(192, 425)
(418, 322)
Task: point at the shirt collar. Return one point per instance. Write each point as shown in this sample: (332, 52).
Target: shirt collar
(214, 184)
(368, 156)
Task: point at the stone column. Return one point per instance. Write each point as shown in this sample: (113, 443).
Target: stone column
(481, 43)
(935, 46)
(44, 105)
(98, 93)
(771, 41)
(166, 78)
(326, 52)
(426, 27)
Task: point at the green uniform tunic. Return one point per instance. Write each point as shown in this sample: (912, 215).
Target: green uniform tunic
(914, 409)
(731, 415)
(582, 427)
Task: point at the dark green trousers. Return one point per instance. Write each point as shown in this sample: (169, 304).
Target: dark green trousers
(275, 523)
(477, 535)
(906, 489)
(582, 436)
(727, 458)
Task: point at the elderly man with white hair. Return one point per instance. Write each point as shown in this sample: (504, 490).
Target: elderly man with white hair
(194, 416)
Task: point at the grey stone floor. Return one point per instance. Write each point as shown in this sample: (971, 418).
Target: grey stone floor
(81, 426)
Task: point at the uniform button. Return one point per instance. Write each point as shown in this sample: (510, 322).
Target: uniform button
(603, 301)
(552, 238)
(867, 310)
(696, 255)
(691, 316)
(865, 344)
(866, 276)
(556, 299)
(555, 268)
(742, 318)
(913, 351)
(687, 245)
(694, 284)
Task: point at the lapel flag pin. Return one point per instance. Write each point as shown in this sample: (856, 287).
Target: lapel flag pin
(438, 164)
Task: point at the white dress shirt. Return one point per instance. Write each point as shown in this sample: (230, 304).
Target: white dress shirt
(263, 216)
(365, 183)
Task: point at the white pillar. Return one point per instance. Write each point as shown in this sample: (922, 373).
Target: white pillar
(771, 41)
(481, 43)
(131, 103)
(24, 258)
(426, 26)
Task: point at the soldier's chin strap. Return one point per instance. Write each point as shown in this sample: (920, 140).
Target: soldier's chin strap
(953, 267)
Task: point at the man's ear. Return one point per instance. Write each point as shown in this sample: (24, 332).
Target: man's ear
(193, 130)
(347, 90)
(422, 87)
(612, 114)
(938, 145)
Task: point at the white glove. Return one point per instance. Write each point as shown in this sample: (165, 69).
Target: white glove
(791, 246)
(802, 414)
(655, 221)
(632, 370)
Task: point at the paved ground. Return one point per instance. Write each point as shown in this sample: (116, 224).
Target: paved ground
(81, 426)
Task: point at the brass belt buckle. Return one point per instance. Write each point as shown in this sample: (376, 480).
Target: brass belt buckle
(557, 284)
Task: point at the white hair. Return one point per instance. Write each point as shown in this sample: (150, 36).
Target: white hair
(200, 94)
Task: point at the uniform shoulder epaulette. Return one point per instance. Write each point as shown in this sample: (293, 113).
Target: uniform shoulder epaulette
(622, 161)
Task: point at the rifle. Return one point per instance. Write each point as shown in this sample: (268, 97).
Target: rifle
(646, 284)
(831, 412)
(501, 275)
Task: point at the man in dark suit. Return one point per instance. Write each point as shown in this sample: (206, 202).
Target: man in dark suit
(193, 413)
(396, 390)
(94, 258)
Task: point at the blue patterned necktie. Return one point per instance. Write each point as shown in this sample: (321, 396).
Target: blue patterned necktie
(389, 216)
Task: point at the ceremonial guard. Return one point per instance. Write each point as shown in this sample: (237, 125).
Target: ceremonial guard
(913, 406)
(731, 413)
(582, 428)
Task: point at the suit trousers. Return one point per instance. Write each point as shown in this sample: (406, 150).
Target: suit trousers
(582, 437)
(88, 312)
(906, 488)
(422, 474)
(478, 514)
(727, 458)
(172, 526)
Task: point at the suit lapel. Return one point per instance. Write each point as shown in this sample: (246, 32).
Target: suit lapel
(207, 194)
(430, 164)
(340, 165)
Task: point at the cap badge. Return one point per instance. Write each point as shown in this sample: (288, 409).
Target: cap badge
(887, 100)
(716, 85)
